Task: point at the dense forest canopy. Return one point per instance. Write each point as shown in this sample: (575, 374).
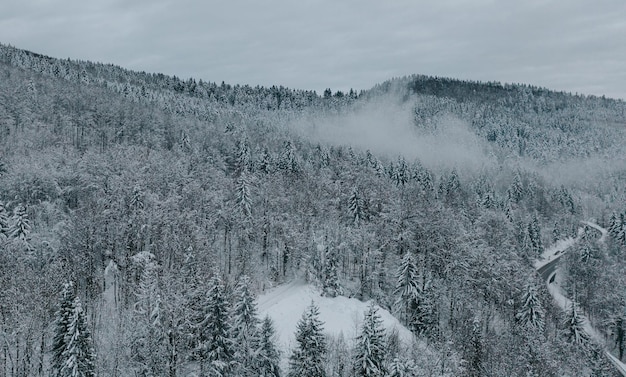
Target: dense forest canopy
(145, 210)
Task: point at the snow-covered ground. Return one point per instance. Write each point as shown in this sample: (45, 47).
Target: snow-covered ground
(341, 315)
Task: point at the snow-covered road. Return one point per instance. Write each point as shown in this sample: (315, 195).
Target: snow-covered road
(547, 267)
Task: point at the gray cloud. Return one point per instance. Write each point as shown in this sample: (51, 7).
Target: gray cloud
(576, 45)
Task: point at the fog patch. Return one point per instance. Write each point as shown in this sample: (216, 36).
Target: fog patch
(386, 127)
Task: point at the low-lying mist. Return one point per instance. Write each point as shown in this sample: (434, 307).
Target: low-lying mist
(386, 127)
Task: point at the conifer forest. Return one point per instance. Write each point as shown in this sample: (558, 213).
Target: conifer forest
(154, 226)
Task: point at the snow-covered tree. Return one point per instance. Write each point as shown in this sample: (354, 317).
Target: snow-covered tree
(73, 354)
(531, 312)
(243, 159)
(245, 332)
(574, 326)
(4, 221)
(63, 317)
(214, 343)
(534, 236)
(307, 360)
(330, 278)
(356, 205)
(399, 367)
(370, 352)
(408, 291)
(149, 337)
(20, 224)
(243, 197)
(268, 355)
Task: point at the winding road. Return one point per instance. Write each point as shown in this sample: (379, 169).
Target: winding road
(547, 268)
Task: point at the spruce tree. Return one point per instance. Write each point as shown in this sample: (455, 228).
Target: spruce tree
(72, 349)
(243, 197)
(370, 349)
(307, 360)
(330, 283)
(531, 313)
(149, 337)
(407, 291)
(63, 318)
(214, 344)
(356, 206)
(574, 326)
(245, 332)
(268, 355)
(4, 221)
(20, 227)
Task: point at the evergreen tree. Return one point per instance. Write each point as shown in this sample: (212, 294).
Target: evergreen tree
(245, 329)
(244, 200)
(4, 221)
(356, 206)
(288, 161)
(63, 318)
(600, 364)
(531, 313)
(307, 360)
(534, 236)
(474, 351)
(72, 349)
(516, 191)
(574, 326)
(408, 291)
(214, 344)
(268, 355)
(265, 162)
(330, 283)
(149, 338)
(370, 349)
(243, 160)
(20, 227)
(401, 368)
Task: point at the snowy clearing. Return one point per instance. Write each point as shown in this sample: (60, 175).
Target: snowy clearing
(341, 315)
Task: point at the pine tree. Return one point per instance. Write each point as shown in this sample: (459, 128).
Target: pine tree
(370, 349)
(72, 349)
(307, 360)
(245, 329)
(268, 354)
(574, 326)
(531, 313)
(20, 227)
(214, 344)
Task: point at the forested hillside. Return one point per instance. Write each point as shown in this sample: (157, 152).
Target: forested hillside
(148, 211)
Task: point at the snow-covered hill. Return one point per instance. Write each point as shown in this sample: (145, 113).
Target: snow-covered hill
(286, 303)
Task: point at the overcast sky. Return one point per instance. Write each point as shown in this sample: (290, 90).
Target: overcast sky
(572, 45)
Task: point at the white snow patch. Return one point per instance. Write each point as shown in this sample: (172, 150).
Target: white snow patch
(341, 315)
